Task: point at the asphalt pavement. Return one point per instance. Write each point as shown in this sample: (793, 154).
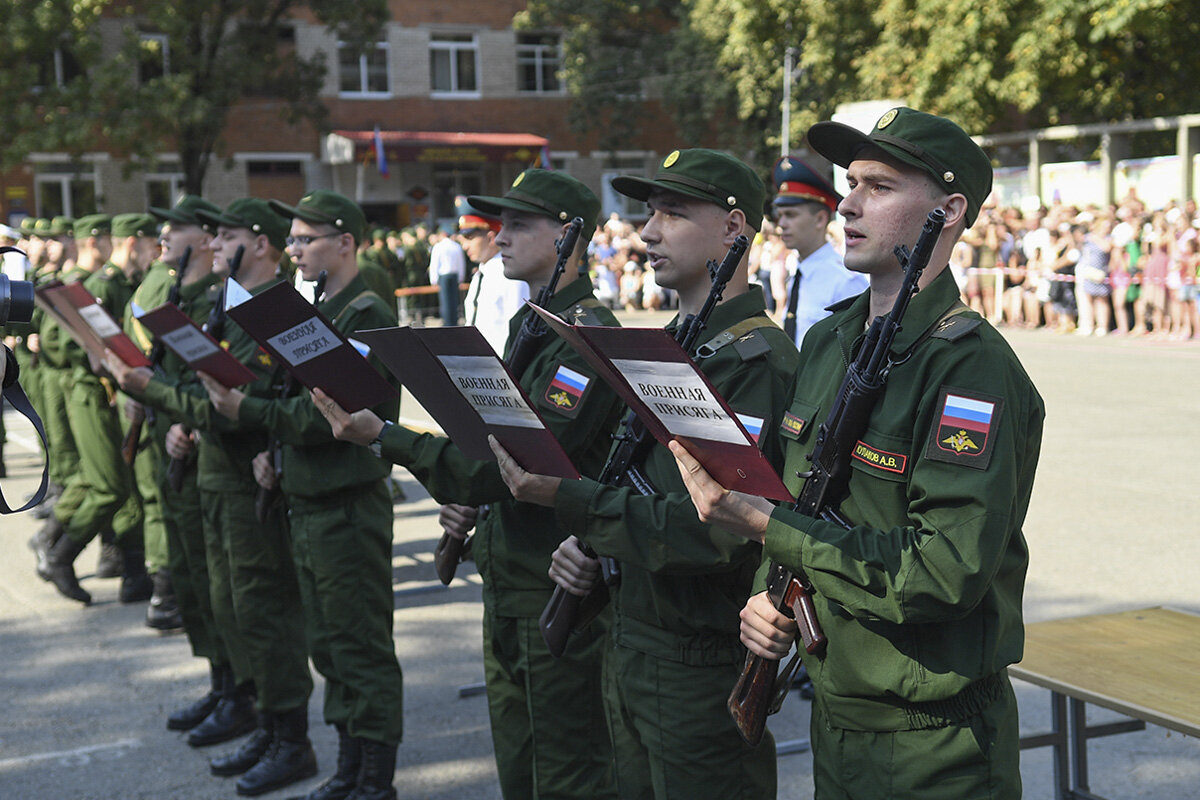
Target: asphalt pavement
(1113, 526)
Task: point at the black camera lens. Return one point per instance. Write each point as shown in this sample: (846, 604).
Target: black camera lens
(16, 300)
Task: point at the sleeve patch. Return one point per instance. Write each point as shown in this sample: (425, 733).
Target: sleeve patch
(753, 425)
(964, 430)
(566, 391)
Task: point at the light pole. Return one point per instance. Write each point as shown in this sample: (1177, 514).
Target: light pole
(789, 58)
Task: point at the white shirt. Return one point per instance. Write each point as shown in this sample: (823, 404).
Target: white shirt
(493, 300)
(447, 258)
(823, 282)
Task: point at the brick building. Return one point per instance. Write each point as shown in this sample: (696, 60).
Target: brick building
(462, 103)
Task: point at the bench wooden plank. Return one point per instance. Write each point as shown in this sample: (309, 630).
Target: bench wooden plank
(1144, 664)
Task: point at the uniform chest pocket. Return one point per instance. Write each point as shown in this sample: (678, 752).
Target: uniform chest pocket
(883, 455)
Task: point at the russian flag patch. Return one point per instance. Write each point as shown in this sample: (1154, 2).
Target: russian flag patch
(964, 430)
(566, 390)
(753, 425)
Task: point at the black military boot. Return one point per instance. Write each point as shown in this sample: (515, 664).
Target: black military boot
(247, 755)
(378, 770)
(46, 537)
(43, 509)
(111, 564)
(290, 757)
(233, 716)
(191, 715)
(163, 612)
(349, 764)
(60, 569)
(136, 586)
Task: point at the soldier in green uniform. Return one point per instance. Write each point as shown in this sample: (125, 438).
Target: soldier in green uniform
(181, 230)
(547, 721)
(921, 598)
(255, 597)
(340, 514)
(101, 492)
(674, 651)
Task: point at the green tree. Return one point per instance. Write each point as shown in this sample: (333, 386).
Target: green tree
(158, 74)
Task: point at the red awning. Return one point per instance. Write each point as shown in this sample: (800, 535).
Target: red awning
(449, 146)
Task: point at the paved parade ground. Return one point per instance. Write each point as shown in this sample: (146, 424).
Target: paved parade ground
(1113, 526)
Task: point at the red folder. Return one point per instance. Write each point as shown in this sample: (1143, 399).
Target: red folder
(311, 348)
(91, 324)
(201, 352)
(648, 369)
(457, 377)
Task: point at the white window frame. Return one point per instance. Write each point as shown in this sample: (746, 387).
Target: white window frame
(363, 74)
(63, 181)
(536, 54)
(174, 181)
(453, 48)
(165, 42)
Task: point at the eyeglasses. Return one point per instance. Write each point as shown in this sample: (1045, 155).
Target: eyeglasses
(305, 241)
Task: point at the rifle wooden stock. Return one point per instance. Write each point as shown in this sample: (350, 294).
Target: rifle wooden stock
(129, 445)
(447, 555)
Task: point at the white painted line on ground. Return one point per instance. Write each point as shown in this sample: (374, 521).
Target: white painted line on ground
(77, 757)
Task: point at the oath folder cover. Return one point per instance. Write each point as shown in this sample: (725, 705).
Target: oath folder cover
(188, 341)
(458, 378)
(308, 345)
(91, 325)
(648, 369)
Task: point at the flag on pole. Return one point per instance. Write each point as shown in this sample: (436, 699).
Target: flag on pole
(380, 155)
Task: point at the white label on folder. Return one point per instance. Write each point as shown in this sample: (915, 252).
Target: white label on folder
(679, 398)
(487, 387)
(99, 320)
(305, 341)
(189, 343)
(235, 294)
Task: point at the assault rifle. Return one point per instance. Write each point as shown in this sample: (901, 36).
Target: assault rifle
(567, 611)
(265, 498)
(449, 550)
(129, 445)
(760, 690)
(215, 327)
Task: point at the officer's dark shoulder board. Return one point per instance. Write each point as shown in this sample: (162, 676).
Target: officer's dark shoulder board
(363, 301)
(956, 325)
(748, 337)
(587, 313)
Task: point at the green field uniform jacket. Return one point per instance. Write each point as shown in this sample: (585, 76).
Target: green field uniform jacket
(683, 581)
(226, 447)
(922, 597)
(56, 347)
(515, 540)
(315, 465)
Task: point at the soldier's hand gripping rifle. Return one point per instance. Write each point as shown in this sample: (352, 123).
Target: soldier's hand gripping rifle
(760, 689)
(449, 550)
(129, 445)
(567, 611)
(265, 498)
(214, 326)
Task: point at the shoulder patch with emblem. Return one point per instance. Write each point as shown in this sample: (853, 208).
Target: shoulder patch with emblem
(751, 345)
(954, 328)
(964, 428)
(566, 391)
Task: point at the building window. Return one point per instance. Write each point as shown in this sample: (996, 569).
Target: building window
(163, 190)
(453, 64)
(364, 73)
(539, 58)
(65, 195)
(59, 69)
(154, 56)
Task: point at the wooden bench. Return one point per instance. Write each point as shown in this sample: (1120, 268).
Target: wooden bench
(1143, 664)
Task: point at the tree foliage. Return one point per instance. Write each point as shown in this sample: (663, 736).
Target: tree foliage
(994, 66)
(156, 75)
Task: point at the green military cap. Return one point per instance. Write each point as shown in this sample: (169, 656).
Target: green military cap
(136, 224)
(93, 225)
(62, 226)
(703, 174)
(26, 225)
(255, 215)
(548, 194)
(325, 207)
(41, 228)
(184, 212)
(930, 143)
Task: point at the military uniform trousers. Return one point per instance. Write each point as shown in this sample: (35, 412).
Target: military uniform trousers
(255, 599)
(529, 687)
(187, 560)
(652, 705)
(101, 491)
(147, 466)
(53, 390)
(976, 758)
(343, 551)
